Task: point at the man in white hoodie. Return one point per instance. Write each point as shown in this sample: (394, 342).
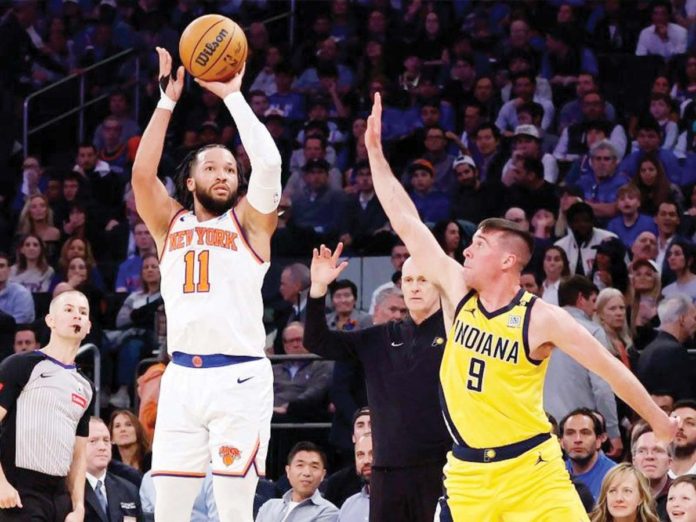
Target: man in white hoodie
(581, 238)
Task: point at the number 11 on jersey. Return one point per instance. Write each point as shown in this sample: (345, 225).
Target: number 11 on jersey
(203, 284)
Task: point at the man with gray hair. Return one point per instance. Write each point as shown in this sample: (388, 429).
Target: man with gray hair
(600, 189)
(294, 283)
(664, 365)
(653, 457)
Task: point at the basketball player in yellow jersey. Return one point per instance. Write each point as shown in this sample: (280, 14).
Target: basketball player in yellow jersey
(504, 465)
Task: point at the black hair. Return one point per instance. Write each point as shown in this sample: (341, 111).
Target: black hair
(570, 289)
(341, 284)
(183, 195)
(535, 275)
(524, 74)
(649, 123)
(685, 403)
(489, 126)
(533, 108)
(578, 209)
(86, 144)
(365, 410)
(307, 446)
(322, 139)
(585, 412)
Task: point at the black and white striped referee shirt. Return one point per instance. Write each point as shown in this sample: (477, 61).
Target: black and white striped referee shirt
(48, 404)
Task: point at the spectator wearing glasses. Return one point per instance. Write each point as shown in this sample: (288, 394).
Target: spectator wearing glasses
(652, 457)
(601, 189)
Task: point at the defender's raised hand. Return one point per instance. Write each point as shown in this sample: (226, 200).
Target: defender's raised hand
(171, 84)
(373, 134)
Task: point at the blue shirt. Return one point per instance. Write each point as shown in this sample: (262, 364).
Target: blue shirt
(594, 477)
(314, 509)
(604, 190)
(17, 301)
(628, 234)
(433, 206)
(129, 274)
(292, 104)
(629, 165)
(356, 508)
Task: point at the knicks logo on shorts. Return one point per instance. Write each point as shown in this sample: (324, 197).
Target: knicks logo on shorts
(197, 361)
(229, 455)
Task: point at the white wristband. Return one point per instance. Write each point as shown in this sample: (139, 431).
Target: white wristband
(165, 102)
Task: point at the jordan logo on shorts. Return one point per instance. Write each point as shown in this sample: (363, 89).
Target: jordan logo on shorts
(539, 459)
(229, 455)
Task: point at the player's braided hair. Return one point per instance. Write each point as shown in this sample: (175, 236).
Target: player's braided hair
(183, 195)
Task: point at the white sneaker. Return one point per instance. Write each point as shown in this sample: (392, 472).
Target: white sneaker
(120, 399)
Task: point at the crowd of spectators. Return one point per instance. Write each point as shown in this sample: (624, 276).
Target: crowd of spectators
(575, 118)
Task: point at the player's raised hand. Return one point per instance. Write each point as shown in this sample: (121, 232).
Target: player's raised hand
(171, 84)
(9, 496)
(373, 134)
(222, 89)
(325, 268)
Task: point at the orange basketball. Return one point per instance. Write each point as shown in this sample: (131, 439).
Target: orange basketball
(213, 48)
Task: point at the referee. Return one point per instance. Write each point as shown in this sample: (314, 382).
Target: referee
(401, 362)
(44, 409)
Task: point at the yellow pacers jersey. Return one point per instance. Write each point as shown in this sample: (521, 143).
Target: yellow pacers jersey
(492, 392)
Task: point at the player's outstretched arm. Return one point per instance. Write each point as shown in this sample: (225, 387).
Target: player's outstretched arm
(154, 205)
(258, 210)
(439, 268)
(559, 328)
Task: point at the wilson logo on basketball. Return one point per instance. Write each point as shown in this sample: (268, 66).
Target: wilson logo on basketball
(79, 400)
(229, 455)
(204, 56)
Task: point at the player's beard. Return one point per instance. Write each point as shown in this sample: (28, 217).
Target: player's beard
(685, 451)
(213, 205)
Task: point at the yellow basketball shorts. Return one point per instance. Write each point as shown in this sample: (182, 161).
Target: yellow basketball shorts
(533, 487)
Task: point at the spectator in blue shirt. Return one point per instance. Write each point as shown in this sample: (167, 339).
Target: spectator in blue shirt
(15, 300)
(630, 223)
(128, 278)
(432, 204)
(581, 438)
(291, 103)
(649, 139)
(318, 208)
(600, 190)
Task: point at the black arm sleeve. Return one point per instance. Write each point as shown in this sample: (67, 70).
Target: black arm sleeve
(319, 340)
(14, 374)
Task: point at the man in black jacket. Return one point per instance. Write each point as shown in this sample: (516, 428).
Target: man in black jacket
(402, 362)
(664, 365)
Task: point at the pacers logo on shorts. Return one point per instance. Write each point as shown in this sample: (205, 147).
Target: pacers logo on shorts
(229, 455)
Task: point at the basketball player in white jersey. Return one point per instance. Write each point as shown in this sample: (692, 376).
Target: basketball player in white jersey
(216, 398)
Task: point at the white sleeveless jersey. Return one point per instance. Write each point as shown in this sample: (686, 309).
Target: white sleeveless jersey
(211, 285)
